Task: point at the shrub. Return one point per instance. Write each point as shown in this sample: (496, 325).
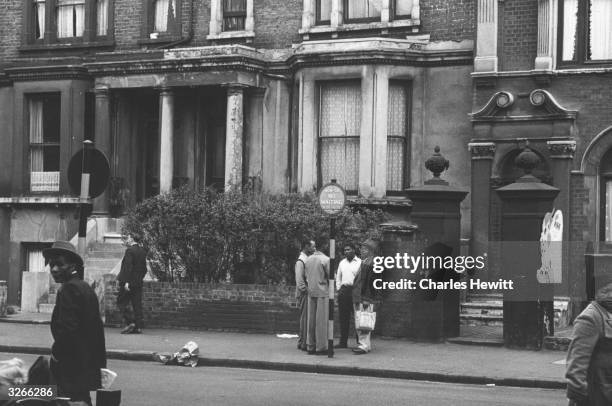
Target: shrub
(243, 237)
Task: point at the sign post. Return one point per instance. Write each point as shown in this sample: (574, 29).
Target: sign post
(332, 200)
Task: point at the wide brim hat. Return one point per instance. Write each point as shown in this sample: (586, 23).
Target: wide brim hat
(62, 248)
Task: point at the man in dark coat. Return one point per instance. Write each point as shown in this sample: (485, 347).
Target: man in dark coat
(79, 349)
(133, 271)
(364, 293)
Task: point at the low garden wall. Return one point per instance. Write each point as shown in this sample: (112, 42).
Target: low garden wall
(224, 307)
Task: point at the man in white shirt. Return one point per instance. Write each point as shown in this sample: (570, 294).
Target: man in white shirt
(345, 275)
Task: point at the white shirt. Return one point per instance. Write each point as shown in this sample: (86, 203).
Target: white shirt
(347, 271)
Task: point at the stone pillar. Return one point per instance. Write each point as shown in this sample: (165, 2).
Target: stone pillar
(436, 209)
(336, 18)
(234, 131)
(366, 139)
(545, 59)
(103, 142)
(249, 23)
(307, 134)
(524, 204)
(308, 17)
(216, 17)
(486, 34)
(166, 125)
(482, 162)
(255, 143)
(562, 155)
(385, 11)
(379, 118)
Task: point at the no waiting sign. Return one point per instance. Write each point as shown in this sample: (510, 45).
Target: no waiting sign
(332, 198)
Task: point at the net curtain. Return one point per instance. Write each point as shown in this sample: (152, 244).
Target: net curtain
(163, 10)
(70, 18)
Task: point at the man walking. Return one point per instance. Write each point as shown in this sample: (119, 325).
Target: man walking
(364, 293)
(345, 276)
(133, 271)
(79, 349)
(301, 290)
(317, 274)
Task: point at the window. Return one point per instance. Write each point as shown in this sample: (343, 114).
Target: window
(44, 136)
(323, 12)
(397, 129)
(605, 184)
(165, 12)
(234, 15)
(54, 21)
(35, 262)
(163, 19)
(402, 9)
(362, 10)
(339, 130)
(585, 31)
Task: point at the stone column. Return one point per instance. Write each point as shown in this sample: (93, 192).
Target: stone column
(337, 17)
(562, 155)
(379, 117)
(482, 162)
(255, 143)
(546, 34)
(166, 148)
(486, 34)
(385, 11)
(103, 142)
(307, 145)
(308, 14)
(234, 131)
(366, 139)
(216, 17)
(249, 24)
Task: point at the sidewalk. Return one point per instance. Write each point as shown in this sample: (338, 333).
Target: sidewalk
(389, 358)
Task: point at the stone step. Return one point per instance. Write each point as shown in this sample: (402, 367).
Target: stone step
(485, 297)
(99, 254)
(113, 238)
(101, 263)
(45, 308)
(485, 308)
(481, 320)
(100, 246)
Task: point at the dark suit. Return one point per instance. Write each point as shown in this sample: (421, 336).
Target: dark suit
(133, 271)
(79, 349)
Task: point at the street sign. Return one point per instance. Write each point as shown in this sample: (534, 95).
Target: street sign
(551, 248)
(332, 198)
(97, 167)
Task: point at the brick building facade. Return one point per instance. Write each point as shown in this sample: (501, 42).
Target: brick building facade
(288, 94)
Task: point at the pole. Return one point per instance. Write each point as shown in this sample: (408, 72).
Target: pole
(84, 197)
(331, 286)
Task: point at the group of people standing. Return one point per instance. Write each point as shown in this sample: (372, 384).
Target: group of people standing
(354, 278)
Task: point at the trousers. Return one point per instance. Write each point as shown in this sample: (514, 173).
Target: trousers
(302, 302)
(132, 297)
(345, 310)
(318, 316)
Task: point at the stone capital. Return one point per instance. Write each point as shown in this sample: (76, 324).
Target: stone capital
(563, 149)
(482, 150)
(101, 91)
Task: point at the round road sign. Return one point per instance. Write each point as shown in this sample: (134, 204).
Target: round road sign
(332, 198)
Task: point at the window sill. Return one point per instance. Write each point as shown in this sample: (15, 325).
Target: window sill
(231, 35)
(356, 27)
(47, 198)
(64, 46)
(160, 40)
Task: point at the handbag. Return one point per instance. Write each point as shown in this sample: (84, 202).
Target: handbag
(365, 318)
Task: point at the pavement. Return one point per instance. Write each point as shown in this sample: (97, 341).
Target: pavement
(390, 358)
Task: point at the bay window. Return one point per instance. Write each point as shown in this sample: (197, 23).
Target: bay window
(362, 10)
(339, 132)
(585, 31)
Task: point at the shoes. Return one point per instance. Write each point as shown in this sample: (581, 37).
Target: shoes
(129, 329)
(340, 346)
(136, 331)
(359, 351)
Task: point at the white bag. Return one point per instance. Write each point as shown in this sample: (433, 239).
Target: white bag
(365, 318)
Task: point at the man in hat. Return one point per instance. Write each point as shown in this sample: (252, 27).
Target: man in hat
(364, 293)
(131, 275)
(317, 274)
(78, 350)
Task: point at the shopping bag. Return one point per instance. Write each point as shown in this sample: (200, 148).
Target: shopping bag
(365, 318)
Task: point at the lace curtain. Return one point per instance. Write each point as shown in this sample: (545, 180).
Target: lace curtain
(234, 14)
(396, 136)
(70, 18)
(600, 35)
(102, 17)
(39, 15)
(36, 261)
(41, 179)
(162, 14)
(364, 8)
(339, 129)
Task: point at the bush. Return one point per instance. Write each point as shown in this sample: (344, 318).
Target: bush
(243, 237)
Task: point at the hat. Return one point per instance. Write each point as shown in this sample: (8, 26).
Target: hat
(63, 248)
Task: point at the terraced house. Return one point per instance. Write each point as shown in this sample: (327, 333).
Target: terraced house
(285, 95)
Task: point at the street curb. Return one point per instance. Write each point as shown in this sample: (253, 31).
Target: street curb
(17, 321)
(127, 355)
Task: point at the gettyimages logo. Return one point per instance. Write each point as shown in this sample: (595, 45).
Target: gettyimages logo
(424, 262)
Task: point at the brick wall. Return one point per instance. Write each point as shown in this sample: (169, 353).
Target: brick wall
(277, 22)
(518, 28)
(10, 28)
(449, 20)
(253, 308)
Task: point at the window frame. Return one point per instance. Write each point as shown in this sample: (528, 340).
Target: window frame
(393, 6)
(173, 31)
(50, 36)
(347, 20)
(233, 14)
(582, 29)
(407, 85)
(320, 180)
(605, 174)
(28, 162)
(318, 20)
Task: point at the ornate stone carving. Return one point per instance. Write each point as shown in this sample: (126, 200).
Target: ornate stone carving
(437, 164)
(562, 149)
(482, 150)
(499, 101)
